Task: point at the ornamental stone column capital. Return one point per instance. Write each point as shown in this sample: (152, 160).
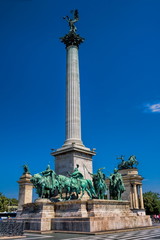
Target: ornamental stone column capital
(72, 39)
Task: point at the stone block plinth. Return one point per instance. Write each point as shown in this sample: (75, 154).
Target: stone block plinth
(103, 208)
(25, 190)
(80, 216)
(75, 208)
(67, 157)
(96, 215)
(37, 216)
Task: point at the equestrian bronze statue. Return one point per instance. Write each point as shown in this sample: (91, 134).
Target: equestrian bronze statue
(48, 183)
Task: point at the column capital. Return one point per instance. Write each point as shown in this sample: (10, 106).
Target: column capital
(72, 39)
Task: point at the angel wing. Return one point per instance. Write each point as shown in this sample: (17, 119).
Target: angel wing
(76, 16)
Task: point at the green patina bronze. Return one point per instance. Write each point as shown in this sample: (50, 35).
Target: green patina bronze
(48, 183)
(128, 164)
(116, 186)
(45, 183)
(72, 38)
(99, 183)
(72, 21)
(26, 169)
(76, 173)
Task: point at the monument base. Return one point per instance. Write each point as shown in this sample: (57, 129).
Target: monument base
(67, 157)
(96, 215)
(139, 212)
(81, 216)
(37, 216)
(98, 224)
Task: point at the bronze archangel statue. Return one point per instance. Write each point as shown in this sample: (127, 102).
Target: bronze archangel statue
(71, 22)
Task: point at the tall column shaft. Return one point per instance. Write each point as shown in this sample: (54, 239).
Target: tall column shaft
(135, 196)
(73, 152)
(141, 197)
(73, 114)
(131, 199)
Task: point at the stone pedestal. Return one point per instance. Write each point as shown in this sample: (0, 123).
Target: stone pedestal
(67, 157)
(80, 216)
(37, 216)
(25, 190)
(133, 184)
(133, 193)
(70, 209)
(96, 216)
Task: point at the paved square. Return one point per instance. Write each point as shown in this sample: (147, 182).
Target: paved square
(151, 234)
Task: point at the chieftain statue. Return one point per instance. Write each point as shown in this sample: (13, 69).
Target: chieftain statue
(116, 186)
(76, 173)
(99, 183)
(47, 183)
(75, 184)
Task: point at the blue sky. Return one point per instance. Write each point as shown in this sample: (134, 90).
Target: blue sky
(120, 84)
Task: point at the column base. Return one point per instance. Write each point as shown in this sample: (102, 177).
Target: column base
(73, 141)
(140, 212)
(68, 156)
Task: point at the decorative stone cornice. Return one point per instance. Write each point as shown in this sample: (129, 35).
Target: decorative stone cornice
(25, 179)
(72, 39)
(75, 148)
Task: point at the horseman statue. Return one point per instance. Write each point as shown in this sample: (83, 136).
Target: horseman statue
(48, 183)
(99, 183)
(116, 186)
(83, 184)
(76, 173)
(132, 161)
(45, 183)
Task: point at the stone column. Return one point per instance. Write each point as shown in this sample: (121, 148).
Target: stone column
(141, 197)
(135, 196)
(25, 190)
(73, 152)
(137, 187)
(73, 115)
(131, 199)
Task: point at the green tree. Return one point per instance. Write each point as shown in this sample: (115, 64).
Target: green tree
(152, 203)
(6, 202)
(3, 203)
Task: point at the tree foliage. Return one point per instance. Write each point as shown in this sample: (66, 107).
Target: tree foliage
(152, 203)
(5, 203)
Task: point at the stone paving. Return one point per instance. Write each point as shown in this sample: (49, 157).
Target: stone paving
(150, 234)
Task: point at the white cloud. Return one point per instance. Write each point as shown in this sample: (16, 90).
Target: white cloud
(153, 108)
